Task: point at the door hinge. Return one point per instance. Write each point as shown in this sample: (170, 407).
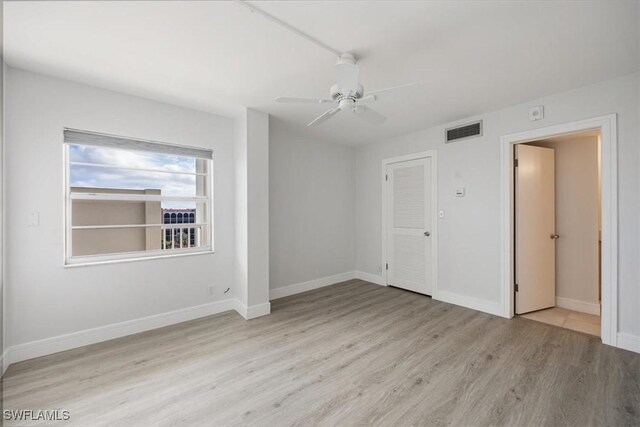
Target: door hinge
(387, 266)
(516, 287)
(515, 163)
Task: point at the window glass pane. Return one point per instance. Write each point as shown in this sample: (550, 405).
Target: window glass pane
(115, 240)
(136, 226)
(104, 241)
(130, 159)
(174, 233)
(108, 212)
(165, 184)
(117, 212)
(184, 237)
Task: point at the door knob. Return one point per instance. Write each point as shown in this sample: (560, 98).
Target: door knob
(426, 233)
(555, 236)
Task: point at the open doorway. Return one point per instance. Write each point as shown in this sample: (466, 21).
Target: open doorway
(557, 230)
(607, 126)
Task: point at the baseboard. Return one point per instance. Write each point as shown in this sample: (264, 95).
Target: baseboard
(59, 343)
(253, 311)
(629, 342)
(372, 278)
(310, 285)
(470, 302)
(577, 305)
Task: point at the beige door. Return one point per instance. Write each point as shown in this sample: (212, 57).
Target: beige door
(535, 235)
(409, 225)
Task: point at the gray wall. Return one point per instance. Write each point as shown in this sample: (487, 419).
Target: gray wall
(469, 262)
(2, 290)
(311, 208)
(251, 156)
(45, 298)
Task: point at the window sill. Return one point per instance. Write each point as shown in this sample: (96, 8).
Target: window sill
(106, 261)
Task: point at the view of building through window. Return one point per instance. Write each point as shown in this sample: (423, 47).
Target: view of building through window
(178, 237)
(135, 201)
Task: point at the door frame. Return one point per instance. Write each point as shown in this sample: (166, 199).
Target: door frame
(433, 155)
(607, 125)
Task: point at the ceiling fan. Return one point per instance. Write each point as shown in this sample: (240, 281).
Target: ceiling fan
(348, 94)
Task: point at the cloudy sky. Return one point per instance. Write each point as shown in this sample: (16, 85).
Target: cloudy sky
(170, 184)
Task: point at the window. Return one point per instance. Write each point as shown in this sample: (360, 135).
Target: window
(129, 199)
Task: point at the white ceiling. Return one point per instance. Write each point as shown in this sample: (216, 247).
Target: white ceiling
(468, 57)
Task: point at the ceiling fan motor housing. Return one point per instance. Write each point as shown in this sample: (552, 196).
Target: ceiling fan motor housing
(337, 95)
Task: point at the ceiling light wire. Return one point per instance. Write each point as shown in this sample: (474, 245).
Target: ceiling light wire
(288, 27)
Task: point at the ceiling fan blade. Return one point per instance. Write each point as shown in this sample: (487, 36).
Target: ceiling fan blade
(324, 117)
(368, 99)
(347, 75)
(369, 115)
(289, 100)
(378, 94)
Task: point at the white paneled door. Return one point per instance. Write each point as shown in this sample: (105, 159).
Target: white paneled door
(535, 228)
(409, 228)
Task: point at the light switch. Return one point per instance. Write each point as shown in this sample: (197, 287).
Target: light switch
(460, 192)
(441, 214)
(34, 219)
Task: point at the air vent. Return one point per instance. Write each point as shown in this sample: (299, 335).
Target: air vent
(463, 132)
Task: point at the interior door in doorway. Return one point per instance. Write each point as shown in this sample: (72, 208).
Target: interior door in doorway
(535, 228)
(409, 222)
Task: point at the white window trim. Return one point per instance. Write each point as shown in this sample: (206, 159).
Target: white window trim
(70, 261)
(90, 260)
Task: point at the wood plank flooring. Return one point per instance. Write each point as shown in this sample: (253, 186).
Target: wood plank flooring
(348, 354)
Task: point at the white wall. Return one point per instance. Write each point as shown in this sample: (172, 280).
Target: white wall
(2, 288)
(312, 208)
(258, 205)
(45, 299)
(2, 270)
(316, 203)
(577, 207)
(251, 155)
(470, 232)
(241, 249)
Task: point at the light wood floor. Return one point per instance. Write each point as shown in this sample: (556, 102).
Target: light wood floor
(349, 354)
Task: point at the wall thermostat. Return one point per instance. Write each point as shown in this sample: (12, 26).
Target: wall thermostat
(536, 113)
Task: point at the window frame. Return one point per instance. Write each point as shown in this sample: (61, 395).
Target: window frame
(87, 260)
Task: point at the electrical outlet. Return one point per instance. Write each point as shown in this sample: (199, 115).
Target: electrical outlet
(210, 290)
